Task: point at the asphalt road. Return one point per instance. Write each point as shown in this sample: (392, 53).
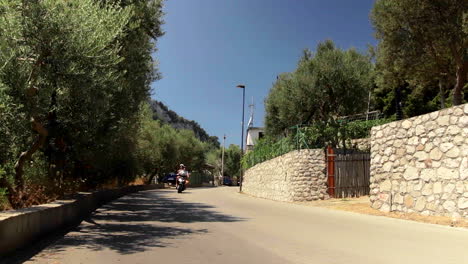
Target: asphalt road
(219, 225)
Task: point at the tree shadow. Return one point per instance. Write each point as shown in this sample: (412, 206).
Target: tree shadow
(131, 224)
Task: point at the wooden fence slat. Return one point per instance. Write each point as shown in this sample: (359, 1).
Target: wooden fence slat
(352, 174)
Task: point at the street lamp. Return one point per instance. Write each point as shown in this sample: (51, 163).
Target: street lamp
(242, 134)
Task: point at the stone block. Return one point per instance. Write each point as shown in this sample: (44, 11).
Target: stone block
(379, 134)
(410, 149)
(452, 163)
(413, 141)
(420, 204)
(409, 201)
(463, 121)
(453, 152)
(443, 120)
(435, 154)
(427, 189)
(444, 147)
(387, 167)
(398, 199)
(403, 187)
(447, 174)
(440, 132)
(386, 186)
(434, 115)
(450, 206)
(463, 203)
(377, 204)
(406, 124)
(384, 197)
(453, 120)
(420, 129)
(460, 187)
(430, 125)
(388, 151)
(385, 208)
(458, 140)
(418, 186)
(398, 143)
(458, 112)
(421, 155)
(449, 188)
(431, 206)
(400, 152)
(428, 147)
(411, 173)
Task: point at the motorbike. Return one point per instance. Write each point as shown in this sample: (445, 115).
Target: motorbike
(181, 184)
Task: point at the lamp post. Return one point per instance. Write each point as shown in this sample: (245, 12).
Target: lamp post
(242, 134)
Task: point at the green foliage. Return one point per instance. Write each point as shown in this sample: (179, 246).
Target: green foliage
(266, 149)
(161, 148)
(3, 191)
(80, 69)
(232, 160)
(317, 135)
(422, 43)
(326, 84)
(361, 129)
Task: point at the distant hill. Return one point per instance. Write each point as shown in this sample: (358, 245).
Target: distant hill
(164, 114)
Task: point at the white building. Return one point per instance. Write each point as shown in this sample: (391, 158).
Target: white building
(253, 134)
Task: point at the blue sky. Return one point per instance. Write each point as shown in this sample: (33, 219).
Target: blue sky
(210, 46)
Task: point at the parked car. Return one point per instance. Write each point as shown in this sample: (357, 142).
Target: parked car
(170, 178)
(227, 181)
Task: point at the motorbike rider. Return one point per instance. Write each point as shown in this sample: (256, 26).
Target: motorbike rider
(182, 172)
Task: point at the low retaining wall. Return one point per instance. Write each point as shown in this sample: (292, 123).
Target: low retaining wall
(296, 176)
(19, 227)
(421, 164)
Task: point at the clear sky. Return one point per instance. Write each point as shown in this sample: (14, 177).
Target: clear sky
(210, 46)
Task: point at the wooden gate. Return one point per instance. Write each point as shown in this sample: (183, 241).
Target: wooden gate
(348, 173)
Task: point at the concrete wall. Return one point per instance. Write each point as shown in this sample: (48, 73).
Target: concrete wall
(296, 176)
(421, 164)
(19, 227)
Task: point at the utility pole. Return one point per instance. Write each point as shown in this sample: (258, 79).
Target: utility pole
(222, 159)
(242, 135)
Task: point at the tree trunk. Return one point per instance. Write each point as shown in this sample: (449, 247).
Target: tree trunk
(442, 93)
(26, 156)
(150, 180)
(461, 81)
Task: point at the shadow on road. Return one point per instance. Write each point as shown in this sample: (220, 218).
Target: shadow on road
(133, 223)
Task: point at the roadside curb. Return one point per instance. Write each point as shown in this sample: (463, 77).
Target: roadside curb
(18, 228)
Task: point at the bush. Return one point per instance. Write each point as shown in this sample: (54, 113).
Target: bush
(318, 135)
(266, 149)
(3, 193)
(361, 129)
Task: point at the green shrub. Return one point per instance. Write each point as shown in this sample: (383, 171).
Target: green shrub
(361, 129)
(266, 149)
(317, 135)
(3, 192)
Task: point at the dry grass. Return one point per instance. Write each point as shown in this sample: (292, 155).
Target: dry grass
(362, 205)
(138, 181)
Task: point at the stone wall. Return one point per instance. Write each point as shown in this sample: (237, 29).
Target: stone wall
(421, 164)
(18, 228)
(296, 176)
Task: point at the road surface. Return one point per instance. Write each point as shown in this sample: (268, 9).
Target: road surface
(219, 225)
